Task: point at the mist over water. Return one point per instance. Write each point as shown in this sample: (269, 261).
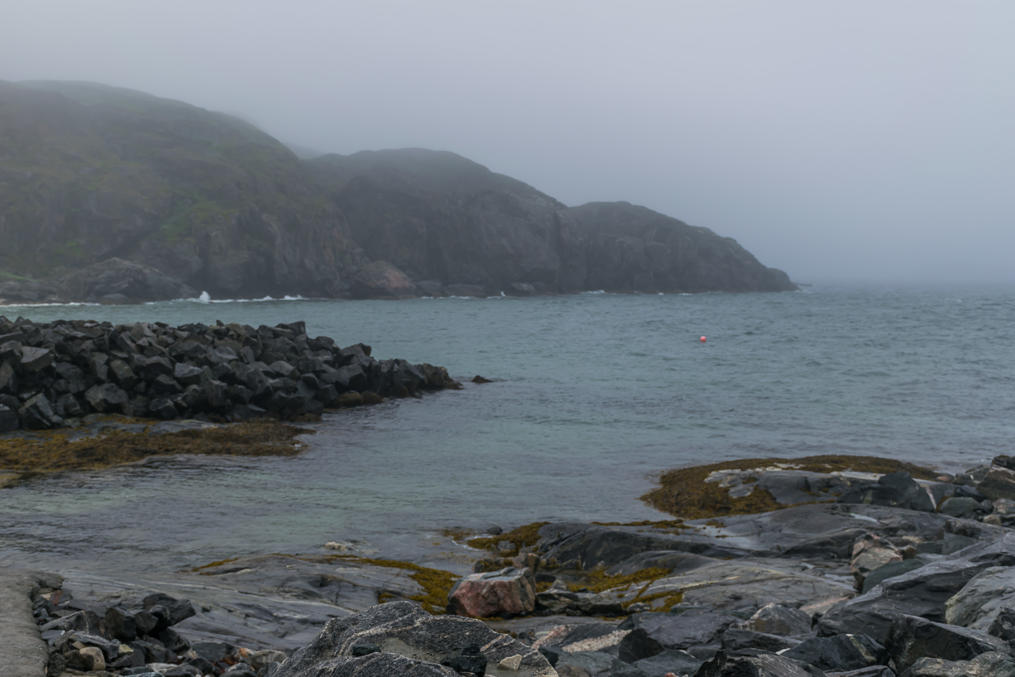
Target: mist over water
(594, 394)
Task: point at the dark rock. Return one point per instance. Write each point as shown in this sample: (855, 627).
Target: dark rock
(765, 665)
(122, 373)
(989, 664)
(404, 628)
(106, 398)
(35, 359)
(8, 419)
(671, 660)
(8, 377)
(594, 664)
(897, 489)
(187, 374)
(67, 405)
(37, 413)
(999, 482)
(178, 609)
(469, 659)
(912, 637)
(651, 633)
(887, 571)
(119, 623)
(961, 506)
(741, 641)
(164, 384)
(84, 620)
(162, 407)
(839, 652)
(777, 619)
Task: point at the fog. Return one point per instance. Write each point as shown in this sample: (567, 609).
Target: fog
(838, 141)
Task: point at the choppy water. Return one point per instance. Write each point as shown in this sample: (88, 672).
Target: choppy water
(598, 392)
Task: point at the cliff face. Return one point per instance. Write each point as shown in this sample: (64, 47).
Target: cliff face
(164, 198)
(451, 223)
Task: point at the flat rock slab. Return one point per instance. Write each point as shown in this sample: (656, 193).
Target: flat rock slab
(22, 651)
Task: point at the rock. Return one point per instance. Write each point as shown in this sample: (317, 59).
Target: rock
(897, 489)
(508, 592)
(594, 664)
(839, 652)
(652, 633)
(912, 638)
(35, 359)
(669, 661)
(779, 620)
(921, 592)
(999, 482)
(989, 664)
(961, 506)
(8, 419)
(741, 641)
(871, 552)
(768, 665)
(37, 413)
(400, 629)
(106, 398)
(119, 623)
(979, 602)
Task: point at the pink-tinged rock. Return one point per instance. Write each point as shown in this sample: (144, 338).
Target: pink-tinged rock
(508, 592)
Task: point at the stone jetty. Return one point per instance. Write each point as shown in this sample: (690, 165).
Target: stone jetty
(54, 373)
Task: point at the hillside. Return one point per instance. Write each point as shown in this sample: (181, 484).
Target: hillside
(117, 195)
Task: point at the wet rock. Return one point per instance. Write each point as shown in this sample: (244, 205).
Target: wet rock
(779, 620)
(691, 628)
(768, 665)
(106, 398)
(980, 601)
(401, 629)
(35, 359)
(8, 419)
(508, 592)
(897, 489)
(37, 413)
(989, 664)
(871, 552)
(839, 652)
(912, 638)
(999, 482)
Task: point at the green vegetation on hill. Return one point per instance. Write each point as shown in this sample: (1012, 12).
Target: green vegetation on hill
(91, 173)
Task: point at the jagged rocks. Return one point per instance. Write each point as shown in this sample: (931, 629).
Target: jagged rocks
(403, 636)
(53, 371)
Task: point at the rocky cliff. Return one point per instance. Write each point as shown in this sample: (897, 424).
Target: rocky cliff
(116, 195)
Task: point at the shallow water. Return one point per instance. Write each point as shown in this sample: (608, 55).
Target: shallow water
(595, 394)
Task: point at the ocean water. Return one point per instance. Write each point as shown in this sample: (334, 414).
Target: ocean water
(593, 396)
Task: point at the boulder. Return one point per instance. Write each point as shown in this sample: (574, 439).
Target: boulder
(37, 413)
(106, 398)
(989, 664)
(980, 601)
(401, 630)
(687, 629)
(871, 552)
(34, 359)
(897, 489)
(912, 638)
(9, 420)
(777, 619)
(766, 665)
(839, 652)
(508, 592)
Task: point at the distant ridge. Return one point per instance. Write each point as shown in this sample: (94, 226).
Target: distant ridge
(165, 198)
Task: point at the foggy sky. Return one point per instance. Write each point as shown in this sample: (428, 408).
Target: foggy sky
(849, 140)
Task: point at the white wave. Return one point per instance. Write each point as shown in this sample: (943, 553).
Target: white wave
(50, 305)
(595, 291)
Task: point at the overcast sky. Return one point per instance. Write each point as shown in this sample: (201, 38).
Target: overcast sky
(861, 139)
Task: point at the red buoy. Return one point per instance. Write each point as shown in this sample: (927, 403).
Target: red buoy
(703, 339)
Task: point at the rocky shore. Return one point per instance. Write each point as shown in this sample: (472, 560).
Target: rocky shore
(53, 374)
(845, 571)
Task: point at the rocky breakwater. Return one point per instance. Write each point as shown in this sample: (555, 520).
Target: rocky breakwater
(54, 373)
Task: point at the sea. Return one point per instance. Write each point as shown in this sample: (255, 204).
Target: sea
(591, 397)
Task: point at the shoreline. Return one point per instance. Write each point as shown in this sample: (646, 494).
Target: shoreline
(845, 548)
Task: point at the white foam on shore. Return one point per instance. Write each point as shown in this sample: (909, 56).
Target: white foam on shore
(49, 305)
(206, 298)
